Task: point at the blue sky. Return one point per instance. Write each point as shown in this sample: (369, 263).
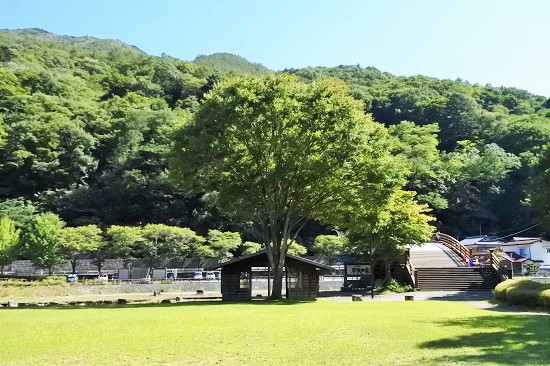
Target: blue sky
(498, 42)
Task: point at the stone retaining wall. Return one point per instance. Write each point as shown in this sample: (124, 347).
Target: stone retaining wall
(185, 286)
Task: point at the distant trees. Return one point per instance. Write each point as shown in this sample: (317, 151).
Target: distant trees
(330, 245)
(47, 243)
(539, 197)
(42, 242)
(219, 244)
(9, 238)
(79, 240)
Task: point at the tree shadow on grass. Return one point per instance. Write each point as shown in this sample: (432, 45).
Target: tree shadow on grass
(501, 340)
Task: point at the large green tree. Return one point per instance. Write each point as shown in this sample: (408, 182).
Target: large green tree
(277, 151)
(9, 238)
(42, 241)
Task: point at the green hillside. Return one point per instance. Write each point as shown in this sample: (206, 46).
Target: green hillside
(86, 128)
(226, 63)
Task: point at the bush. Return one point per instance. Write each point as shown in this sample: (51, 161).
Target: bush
(523, 292)
(544, 298)
(53, 281)
(38, 281)
(522, 296)
(395, 286)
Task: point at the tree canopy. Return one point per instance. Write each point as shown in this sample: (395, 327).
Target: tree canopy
(277, 152)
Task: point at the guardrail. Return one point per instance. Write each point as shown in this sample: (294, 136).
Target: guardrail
(453, 244)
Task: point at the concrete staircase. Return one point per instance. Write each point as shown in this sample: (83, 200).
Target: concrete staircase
(440, 268)
(456, 279)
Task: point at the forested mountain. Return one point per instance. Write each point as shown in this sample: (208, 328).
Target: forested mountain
(86, 129)
(226, 63)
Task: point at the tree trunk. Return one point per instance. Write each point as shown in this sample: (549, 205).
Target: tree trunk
(387, 269)
(73, 265)
(276, 261)
(99, 266)
(277, 291)
(50, 271)
(2, 269)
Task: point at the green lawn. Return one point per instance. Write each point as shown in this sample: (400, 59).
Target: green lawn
(319, 333)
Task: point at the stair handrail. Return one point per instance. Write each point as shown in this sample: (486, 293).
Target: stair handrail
(495, 264)
(453, 244)
(412, 273)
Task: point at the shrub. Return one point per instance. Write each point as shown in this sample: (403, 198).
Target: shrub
(395, 286)
(53, 281)
(544, 298)
(522, 296)
(523, 292)
(38, 281)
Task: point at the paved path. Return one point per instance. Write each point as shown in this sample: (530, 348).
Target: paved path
(418, 295)
(434, 255)
(477, 299)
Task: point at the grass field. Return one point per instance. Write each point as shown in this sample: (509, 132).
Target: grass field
(318, 333)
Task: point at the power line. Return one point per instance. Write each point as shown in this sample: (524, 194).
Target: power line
(519, 232)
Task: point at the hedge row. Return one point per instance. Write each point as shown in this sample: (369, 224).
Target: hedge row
(523, 292)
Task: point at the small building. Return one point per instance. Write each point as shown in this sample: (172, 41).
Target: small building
(535, 249)
(480, 245)
(302, 277)
(515, 264)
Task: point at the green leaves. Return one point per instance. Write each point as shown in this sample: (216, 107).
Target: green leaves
(169, 242)
(9, 238)
(41, 241)
(539, 189)
(80, 240)
(219, 244)
(330, 245)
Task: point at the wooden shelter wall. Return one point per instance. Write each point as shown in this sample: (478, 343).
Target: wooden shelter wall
(309, 289)
(231, 286)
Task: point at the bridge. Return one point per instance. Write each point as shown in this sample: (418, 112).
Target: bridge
(443, 264)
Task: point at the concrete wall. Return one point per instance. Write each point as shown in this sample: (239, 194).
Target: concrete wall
(84, 266)
(190, 286)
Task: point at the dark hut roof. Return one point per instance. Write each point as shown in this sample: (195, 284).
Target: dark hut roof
(254, 256)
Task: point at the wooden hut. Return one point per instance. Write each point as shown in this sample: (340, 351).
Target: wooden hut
(302, 277)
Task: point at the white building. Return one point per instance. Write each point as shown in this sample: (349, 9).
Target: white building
(535, 249)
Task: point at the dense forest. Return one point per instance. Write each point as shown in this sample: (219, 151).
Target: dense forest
(87, 126)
